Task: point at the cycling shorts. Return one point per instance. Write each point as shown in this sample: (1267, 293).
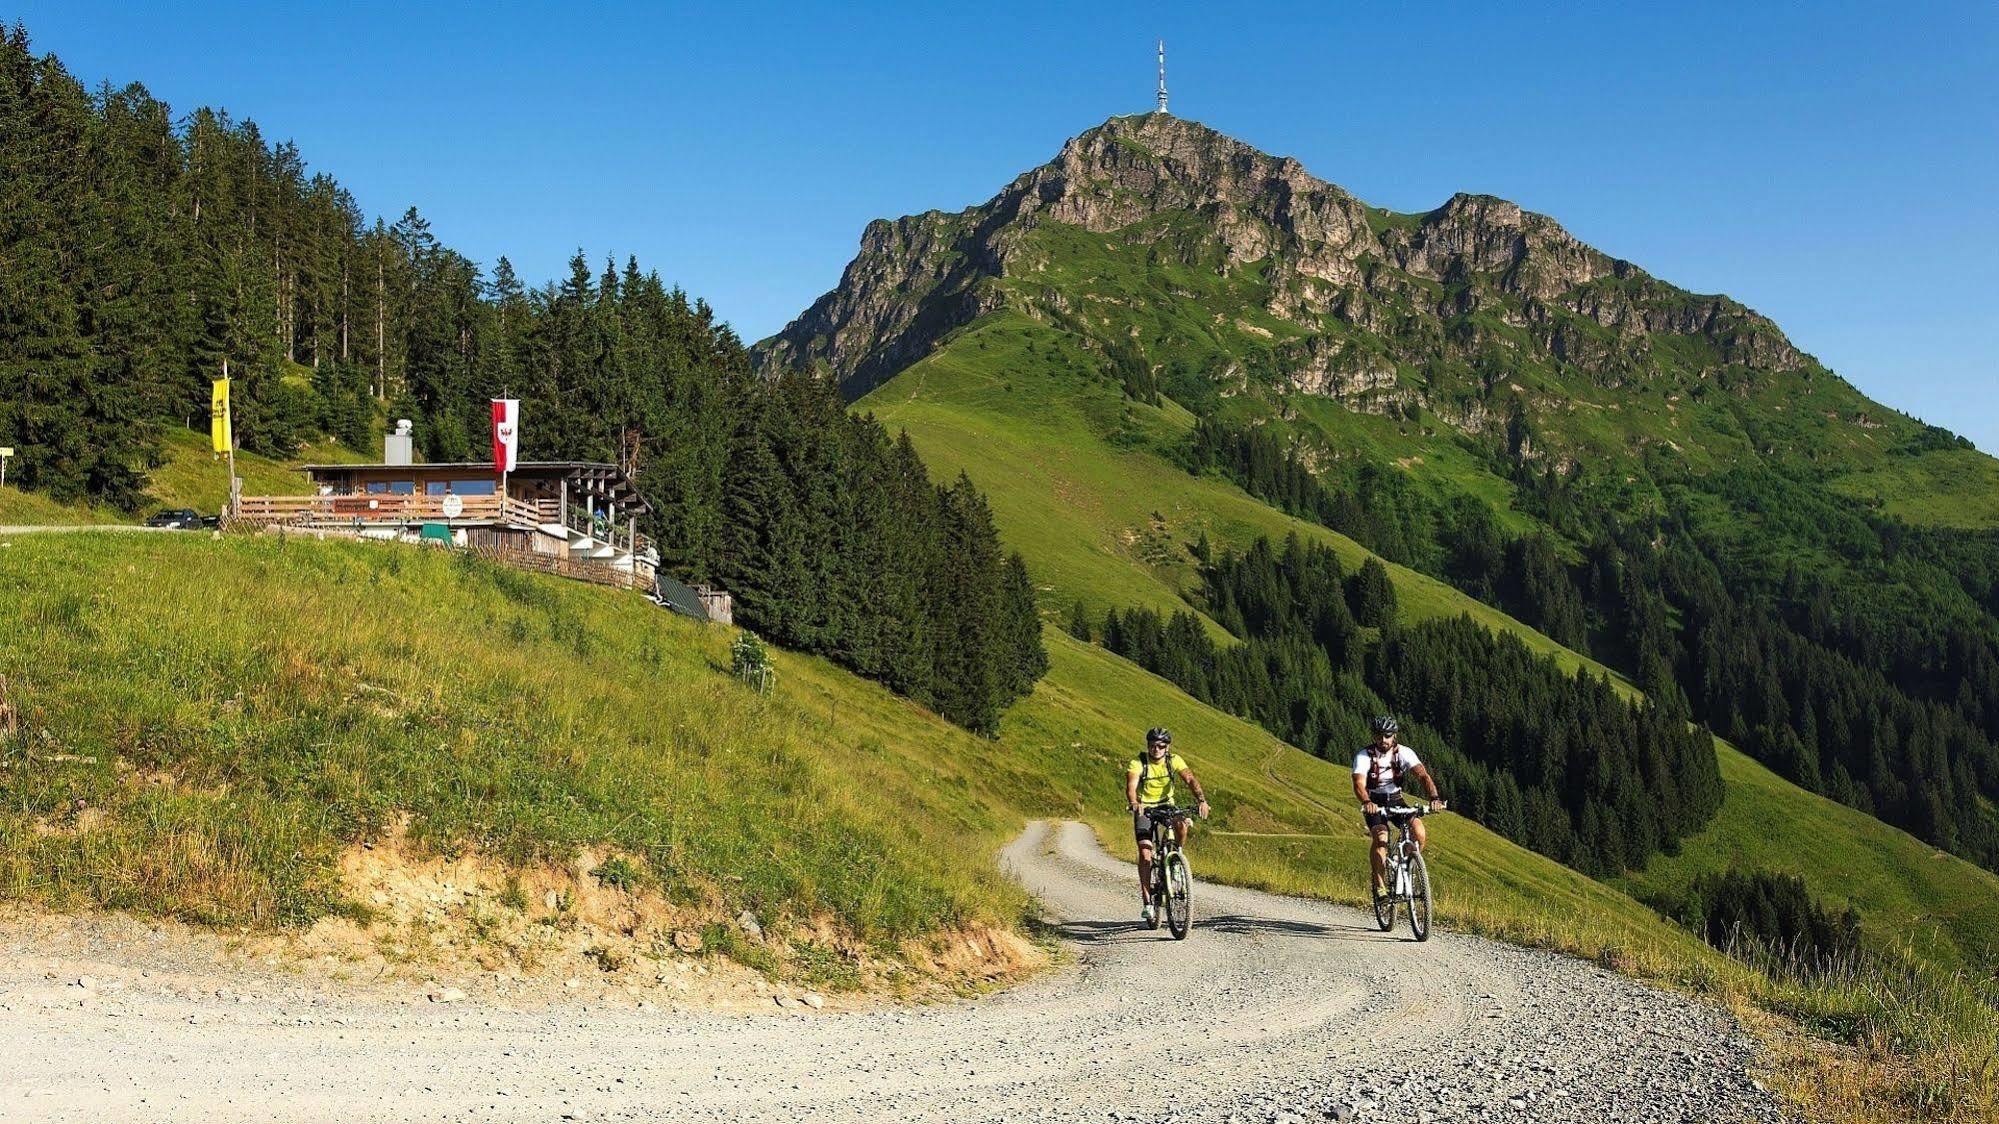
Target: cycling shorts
(1141, 824)
(1383, 800)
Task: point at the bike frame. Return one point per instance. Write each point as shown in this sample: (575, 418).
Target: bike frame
(1398, 859)
(1165, 841)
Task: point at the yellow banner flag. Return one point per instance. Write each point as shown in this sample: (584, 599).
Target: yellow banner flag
(220, 431)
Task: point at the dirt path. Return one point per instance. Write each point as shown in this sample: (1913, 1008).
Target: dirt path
(1274, 1009)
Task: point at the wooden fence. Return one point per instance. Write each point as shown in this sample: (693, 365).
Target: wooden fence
(565, 567)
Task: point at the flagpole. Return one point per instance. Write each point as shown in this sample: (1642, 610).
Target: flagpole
(229, 505)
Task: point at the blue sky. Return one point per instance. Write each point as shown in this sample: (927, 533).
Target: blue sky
(1834, 166)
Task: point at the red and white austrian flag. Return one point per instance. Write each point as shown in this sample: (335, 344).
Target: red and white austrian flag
(506, 433)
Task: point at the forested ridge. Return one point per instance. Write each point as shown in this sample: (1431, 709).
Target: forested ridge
(1855, 655)
(1557, 762)
(142, 250)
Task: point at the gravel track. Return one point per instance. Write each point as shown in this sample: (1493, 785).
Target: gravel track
(1274, 1009)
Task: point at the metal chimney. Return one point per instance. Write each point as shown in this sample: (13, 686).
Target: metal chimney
(399, 448)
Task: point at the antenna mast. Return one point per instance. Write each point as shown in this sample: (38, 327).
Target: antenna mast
(1162, 76)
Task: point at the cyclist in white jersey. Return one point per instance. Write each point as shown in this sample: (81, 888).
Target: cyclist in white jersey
(1378, 771)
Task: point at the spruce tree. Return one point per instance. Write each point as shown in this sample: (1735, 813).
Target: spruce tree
(1371, 595)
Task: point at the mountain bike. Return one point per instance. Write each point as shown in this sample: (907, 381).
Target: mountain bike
(1172, 878)
(1408, 876)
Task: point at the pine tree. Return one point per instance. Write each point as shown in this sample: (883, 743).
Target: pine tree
(1371, 595)
(1079, 621)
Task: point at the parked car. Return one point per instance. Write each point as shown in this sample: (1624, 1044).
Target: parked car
(177, 518)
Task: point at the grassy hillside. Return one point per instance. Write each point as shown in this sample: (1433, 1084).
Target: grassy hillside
(20, 508)
(192, 475)
(1945, 488)
(1075, 478)
(189, 474)
(523, 716)
(181, 756)
(230, 733)
(1078, 481)
(1945, 910)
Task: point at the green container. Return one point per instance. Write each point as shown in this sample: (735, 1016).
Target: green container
(435, 532)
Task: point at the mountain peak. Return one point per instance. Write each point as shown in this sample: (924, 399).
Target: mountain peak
(1452, 284)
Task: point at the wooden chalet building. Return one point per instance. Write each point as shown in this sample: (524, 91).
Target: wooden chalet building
(577, 518)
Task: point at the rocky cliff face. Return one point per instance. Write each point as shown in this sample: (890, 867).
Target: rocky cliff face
(1369, 293)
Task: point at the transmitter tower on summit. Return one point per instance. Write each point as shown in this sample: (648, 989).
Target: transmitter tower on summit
(1162, 77)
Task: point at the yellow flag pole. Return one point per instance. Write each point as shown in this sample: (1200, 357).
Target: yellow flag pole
(223, 435)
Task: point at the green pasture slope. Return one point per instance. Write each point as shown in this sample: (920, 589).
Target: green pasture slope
(232, 739)
(237, 711)
(1079, 482)
(1076, 474)
(525, 715)
(189, 474)
(1910, 895)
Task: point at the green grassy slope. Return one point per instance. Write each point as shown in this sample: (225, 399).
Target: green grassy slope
(192, 475)
(1074, 477)
(1079, 486)
(233, 713)
(1944, 488)
(227, 762)
(189, 474)
(1908, 894)
(22, 508)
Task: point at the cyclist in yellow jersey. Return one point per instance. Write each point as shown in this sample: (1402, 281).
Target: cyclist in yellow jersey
(1148, 784)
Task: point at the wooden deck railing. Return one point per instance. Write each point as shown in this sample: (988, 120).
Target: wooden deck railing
(381, 508)
(578, 520)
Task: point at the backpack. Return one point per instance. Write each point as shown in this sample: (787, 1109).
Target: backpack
(1374, 769)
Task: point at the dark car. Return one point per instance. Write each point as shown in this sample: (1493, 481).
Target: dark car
(177, 518)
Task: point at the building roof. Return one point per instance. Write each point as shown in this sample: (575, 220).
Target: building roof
(679, 598)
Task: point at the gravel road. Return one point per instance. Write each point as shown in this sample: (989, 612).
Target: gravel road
(1273, 1010)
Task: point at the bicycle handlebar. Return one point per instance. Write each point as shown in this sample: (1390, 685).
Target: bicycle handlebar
(1411, 811)
(1170, 811)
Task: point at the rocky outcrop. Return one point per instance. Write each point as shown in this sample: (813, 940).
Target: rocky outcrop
(1529, 254)
(1333, 368)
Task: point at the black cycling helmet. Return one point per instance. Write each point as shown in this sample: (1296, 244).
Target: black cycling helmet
(1385, 725)
(1159, 735)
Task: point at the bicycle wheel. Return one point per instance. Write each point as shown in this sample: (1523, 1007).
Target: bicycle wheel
(1419, 897)
(1179, 895)
(1384, 904)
